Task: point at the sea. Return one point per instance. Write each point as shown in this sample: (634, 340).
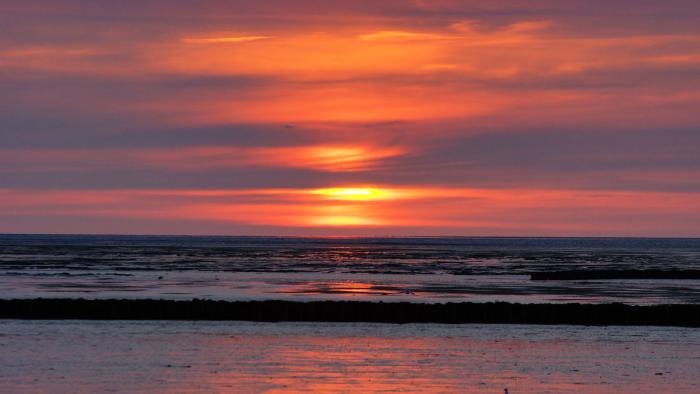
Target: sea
(427, 269)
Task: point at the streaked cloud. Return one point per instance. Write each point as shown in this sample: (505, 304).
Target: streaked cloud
(399, 35)
(330, 158)
(222, 40)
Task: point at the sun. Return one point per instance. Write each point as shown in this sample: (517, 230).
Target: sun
(343, 221)
(354, 193)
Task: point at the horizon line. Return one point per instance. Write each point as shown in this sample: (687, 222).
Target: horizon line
(356, 236)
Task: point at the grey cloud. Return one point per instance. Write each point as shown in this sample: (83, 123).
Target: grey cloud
(589, 159)
(133, 176)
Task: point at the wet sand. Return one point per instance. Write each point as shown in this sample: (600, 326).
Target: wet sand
(425, 270)
(188, 357)
(616, 274)
(425, 288)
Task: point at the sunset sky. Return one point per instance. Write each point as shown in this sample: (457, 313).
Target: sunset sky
(363, 117)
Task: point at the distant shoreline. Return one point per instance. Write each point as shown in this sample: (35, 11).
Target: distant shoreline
(683, 315)
(591, 274)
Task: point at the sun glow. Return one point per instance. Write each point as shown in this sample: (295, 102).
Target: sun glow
(347, 158)
(329, 158)
(355, 194)
(343, 221)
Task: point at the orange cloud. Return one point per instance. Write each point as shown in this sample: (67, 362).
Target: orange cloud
(459, 71)
(371, 70)
(328, 158)
(399, 35)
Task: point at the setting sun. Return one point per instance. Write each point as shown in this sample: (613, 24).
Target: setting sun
(342, 221)
(355, 194)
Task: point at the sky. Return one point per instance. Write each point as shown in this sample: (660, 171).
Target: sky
(350, 118)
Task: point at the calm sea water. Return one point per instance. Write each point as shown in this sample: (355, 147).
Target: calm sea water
(388, 269)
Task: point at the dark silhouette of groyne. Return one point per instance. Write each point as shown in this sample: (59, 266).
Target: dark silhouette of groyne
(687, 315)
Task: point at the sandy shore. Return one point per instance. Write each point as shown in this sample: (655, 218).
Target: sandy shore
(189, 357)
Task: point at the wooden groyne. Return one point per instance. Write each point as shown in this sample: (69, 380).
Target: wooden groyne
(351, 311)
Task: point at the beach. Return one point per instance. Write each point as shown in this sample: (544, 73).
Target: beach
(255, 314)
(245, 357)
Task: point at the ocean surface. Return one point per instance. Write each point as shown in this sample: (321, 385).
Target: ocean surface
(381, 269)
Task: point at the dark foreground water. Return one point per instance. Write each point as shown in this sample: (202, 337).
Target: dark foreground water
(388, 269)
